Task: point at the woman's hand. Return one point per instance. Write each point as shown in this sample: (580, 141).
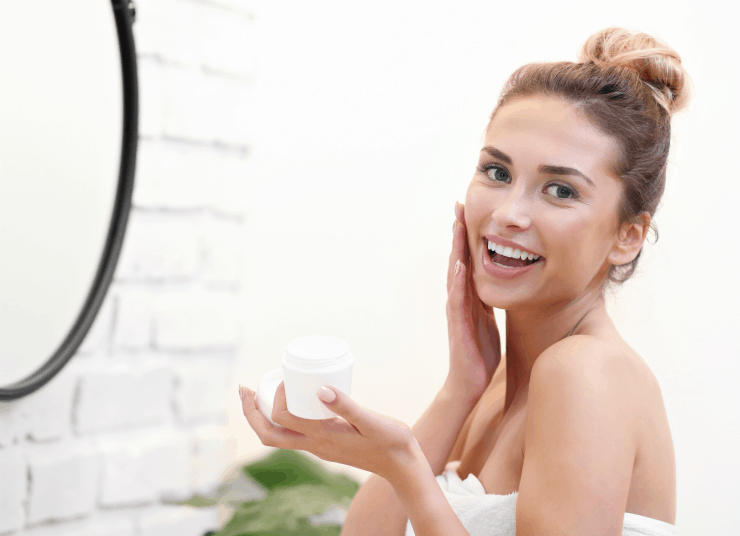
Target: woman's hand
(358, 437)
(475, 343)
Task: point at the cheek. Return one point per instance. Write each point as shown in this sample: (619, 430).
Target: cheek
(476, 206)
(480, 203)
(473, 200)
(570, 238)
(583, 245)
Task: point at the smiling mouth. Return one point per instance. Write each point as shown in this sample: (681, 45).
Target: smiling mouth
(508, 262)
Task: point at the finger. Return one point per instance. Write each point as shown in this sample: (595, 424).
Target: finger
(340, 403)
(459, 211)
(464, 323)
(459, 238)
(283, 417)
(453, 256)
(270, 435)
(465, 249)
(457, 297)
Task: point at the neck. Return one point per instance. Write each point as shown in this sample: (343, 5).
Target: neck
(530, 332)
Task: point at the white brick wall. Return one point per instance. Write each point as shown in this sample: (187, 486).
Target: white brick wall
(117, 395)
(135, 420)
(62, 481)
(13, 482)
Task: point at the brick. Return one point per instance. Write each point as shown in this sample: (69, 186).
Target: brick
(12, 425)
(178, 521)
(102, 525)
(221, 252)
(210, 457)
(144, 467)
(245, 7)
(62, 482)
(234, 112)
(134, 318)
(123, 395)
(47, 412)
(201, 388)
(178, 176)
(170, 175)
(159, 247)
(13, 483)
(190, 100)
(177, 26)
(207, 108)
(167, 30)
(227, 40)
(197, 319)
(150, 18)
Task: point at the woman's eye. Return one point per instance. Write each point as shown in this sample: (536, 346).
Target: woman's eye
(562, 192)
(495, 173)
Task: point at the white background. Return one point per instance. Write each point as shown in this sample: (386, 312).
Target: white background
(369, 120)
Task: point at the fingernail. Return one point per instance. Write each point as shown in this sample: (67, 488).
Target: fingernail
(454, 226)
(457, 267)
(326, 394)
(241, 394)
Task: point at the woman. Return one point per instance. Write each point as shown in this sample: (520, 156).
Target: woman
(569, 178)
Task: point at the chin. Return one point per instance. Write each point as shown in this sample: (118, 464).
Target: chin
(497, 299)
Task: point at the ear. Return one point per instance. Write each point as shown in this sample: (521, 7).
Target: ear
(630, 239)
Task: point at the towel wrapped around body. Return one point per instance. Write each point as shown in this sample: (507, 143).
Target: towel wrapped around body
(487, 514)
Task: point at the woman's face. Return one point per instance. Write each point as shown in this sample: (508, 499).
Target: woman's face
(566, 218)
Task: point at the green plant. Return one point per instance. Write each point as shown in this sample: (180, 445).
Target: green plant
(296, 488)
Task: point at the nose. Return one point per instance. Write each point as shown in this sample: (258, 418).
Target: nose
(514, 209)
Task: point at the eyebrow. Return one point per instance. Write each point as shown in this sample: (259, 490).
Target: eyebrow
(552, 170)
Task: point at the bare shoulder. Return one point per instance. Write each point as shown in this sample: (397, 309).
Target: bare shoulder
(586, 376)
(592, 365)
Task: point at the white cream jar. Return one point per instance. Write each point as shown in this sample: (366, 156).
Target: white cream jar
(308, 363)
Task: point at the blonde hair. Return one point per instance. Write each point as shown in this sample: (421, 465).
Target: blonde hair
(628, 84)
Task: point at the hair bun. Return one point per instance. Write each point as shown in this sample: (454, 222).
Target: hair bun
(654, 61)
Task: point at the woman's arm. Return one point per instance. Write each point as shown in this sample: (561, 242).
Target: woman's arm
(428, 509)
(377, 508)
(580, 441)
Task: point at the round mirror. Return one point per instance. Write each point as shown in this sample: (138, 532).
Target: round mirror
(68, 132)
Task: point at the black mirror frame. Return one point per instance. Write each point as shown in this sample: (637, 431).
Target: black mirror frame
(123, 11)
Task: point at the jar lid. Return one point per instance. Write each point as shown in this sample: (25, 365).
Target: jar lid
(316, 351)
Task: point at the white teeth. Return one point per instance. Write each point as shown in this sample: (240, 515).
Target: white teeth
(510, 252)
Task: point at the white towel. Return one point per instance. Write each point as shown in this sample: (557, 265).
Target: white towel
(485, 514)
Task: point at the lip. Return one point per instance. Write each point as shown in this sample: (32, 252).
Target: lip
(505, 273)
(507, 243)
